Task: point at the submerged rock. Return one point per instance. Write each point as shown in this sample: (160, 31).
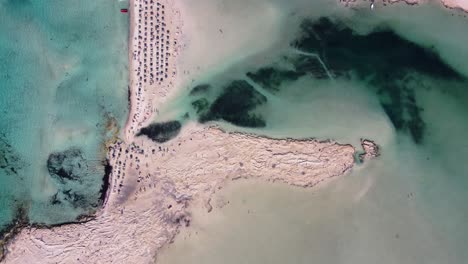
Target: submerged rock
(371, 150)
(161, 132)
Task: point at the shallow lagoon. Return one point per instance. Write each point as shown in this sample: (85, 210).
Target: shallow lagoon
(63, 77)
(409, 205)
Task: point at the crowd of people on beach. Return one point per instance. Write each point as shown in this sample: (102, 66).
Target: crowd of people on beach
(152, 43)
(135, 160)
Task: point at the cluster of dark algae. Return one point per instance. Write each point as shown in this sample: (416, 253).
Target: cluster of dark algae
(10, 161)
(382, 57)
(271, 78)
(234, 105)
(161, 132)
(327, 47)
(200, 105)
(105, 180)
(200, 89)
(69, 168)
(67, 165)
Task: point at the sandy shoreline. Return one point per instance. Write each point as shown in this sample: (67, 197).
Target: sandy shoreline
(461, 5)
(145, 213)
(152, 185)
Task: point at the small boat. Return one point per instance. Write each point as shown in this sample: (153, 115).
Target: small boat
(123, 10)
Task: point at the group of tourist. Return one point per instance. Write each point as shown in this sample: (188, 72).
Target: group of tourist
(151, 52)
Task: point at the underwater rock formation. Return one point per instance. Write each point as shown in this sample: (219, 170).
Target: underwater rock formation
(371, 150)
(161, 132)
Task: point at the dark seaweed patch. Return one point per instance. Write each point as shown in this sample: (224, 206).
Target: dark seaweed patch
(10, 160)
(384, 58)
(105, 180)
(72, 197)
(383, 51)
(234, 105)
(67, 165)
(271, 78)
(311, 65)
(54, 199)
(161, 132)
(199, 89)
(75, 198)
(67, 168)
(201, 105)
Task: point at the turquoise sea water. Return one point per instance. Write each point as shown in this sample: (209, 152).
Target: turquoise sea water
(397, 75)
(62, 75)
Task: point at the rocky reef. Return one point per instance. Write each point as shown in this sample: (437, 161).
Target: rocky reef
(371, 150)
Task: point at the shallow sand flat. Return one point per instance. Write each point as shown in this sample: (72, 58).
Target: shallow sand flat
(143, 216)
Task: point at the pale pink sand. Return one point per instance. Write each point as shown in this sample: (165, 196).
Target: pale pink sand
(145, 212)
(457, 4)
(148, 93)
